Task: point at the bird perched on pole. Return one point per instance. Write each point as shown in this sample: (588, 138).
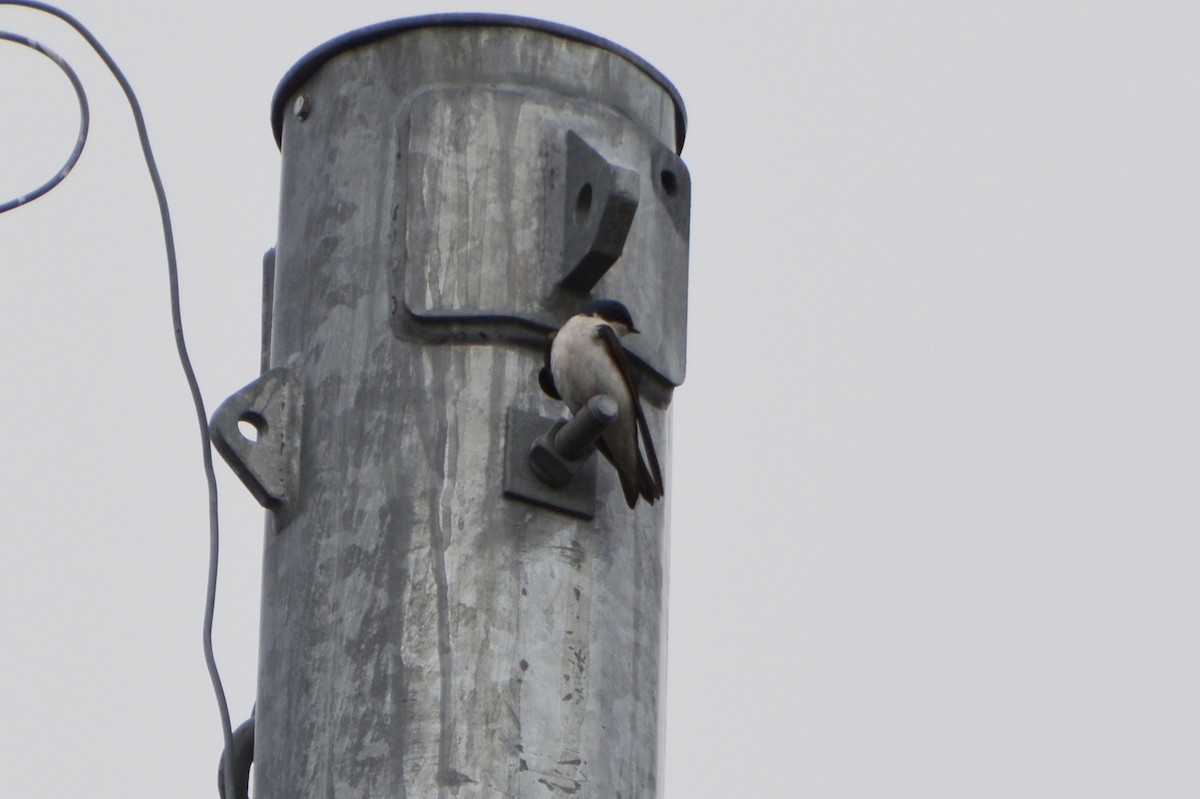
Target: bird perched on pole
(585, 358)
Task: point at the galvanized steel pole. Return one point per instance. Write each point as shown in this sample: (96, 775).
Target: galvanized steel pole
(454, 188)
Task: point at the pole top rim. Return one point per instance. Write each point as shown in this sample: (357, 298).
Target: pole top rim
(307, 66)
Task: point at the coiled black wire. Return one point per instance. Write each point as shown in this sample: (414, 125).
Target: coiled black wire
(84, 117)
(176, 318)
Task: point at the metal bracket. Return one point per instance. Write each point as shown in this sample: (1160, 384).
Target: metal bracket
(599, 205)
(610, 206)
(268, 463)
(550, 463)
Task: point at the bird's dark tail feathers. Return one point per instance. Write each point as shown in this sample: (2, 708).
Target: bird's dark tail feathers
(649, 482)
(647, 486)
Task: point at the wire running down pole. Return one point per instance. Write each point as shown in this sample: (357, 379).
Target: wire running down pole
(180, 346)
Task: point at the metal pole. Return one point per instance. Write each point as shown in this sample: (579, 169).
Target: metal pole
(454, 188)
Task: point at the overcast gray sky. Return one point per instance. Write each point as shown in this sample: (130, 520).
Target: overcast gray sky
(935, 529)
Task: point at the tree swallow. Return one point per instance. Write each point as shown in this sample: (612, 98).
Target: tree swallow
(585, 358)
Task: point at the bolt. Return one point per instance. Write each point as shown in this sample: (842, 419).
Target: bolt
(302, 107)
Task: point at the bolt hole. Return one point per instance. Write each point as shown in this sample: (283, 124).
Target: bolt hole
(252, 425)
(583, 203)
(670, 183)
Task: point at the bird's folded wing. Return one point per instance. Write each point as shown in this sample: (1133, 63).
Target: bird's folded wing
(621, 359)
(545, 376)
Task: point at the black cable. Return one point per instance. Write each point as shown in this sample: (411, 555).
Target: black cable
(184, 360)
(80, 140)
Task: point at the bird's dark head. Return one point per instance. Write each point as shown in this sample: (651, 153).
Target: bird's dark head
(613, 312)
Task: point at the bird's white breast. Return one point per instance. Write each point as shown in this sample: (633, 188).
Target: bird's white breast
(582, 367)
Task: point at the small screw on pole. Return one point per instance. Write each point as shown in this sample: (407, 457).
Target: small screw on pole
(302, 107)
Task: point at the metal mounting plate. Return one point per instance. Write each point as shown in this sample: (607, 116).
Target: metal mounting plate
(576, 498)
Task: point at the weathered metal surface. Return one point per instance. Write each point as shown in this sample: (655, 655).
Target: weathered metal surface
(423, 636)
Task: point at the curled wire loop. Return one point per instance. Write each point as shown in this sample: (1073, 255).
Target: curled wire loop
(84, 117)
